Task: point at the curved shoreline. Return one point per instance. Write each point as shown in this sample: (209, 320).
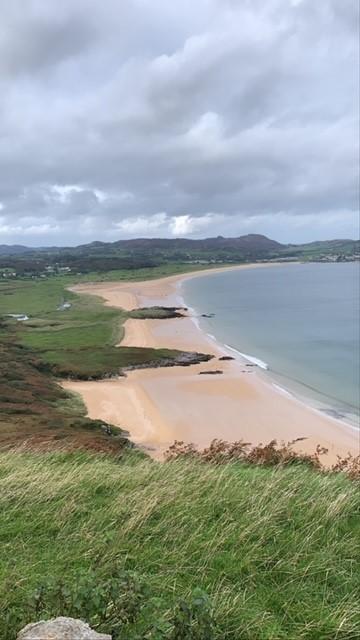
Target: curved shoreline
(264, 370)
(158, 406)
(282, 385)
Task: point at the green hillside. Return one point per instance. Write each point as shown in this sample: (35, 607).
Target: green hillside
(127, 543)
(163, 253)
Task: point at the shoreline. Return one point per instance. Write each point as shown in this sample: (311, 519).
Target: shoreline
(268, 377)
(271, 378)
(160, 405)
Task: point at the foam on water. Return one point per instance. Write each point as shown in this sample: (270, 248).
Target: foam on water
(285, 392)
(252, 359)
(302, 320)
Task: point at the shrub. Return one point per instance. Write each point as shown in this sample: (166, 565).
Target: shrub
(271, 454)
(119, 605)
(194, 620)
(350, 465)
(107, 605)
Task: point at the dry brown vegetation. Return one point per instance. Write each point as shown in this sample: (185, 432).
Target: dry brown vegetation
(350, 465)
(36, 413)
(271, 454)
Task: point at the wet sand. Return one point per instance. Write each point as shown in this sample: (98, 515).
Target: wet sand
(160, 405)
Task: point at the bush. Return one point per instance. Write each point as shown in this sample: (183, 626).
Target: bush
(113, 603)
(271, 454)
(194, 620)
(118, 605)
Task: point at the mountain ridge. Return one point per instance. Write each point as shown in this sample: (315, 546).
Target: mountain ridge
(249, 242)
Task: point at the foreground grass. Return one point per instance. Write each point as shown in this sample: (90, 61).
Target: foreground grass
(275, 549)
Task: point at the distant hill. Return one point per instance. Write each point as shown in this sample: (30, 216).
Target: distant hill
(251, 243)
(13, 249)
(248, 243)
(151, 252)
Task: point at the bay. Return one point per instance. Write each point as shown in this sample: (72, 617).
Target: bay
(302, 320)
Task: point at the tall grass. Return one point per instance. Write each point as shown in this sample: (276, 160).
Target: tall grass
(275, 549)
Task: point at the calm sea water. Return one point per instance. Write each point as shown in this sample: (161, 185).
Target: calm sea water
(301, 320)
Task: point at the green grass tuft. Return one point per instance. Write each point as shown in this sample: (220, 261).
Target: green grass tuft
(275, 549)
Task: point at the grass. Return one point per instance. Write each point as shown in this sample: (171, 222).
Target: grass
(35, 409)
(28, 295)
(87, 323)
(150, 273)
(275, 549)
(101, 362)
(80, 341)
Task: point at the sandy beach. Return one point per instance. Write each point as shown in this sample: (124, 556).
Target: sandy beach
(158, 406)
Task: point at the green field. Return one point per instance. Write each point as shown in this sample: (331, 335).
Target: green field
(275, 549)
(79, 341)
(43, 295)
(86, 323)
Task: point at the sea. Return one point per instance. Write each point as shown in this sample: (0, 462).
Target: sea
(300, 323)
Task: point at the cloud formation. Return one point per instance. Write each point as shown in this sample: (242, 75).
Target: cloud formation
(149, 117)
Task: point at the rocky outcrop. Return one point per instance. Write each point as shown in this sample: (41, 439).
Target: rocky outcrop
(183, 359)
(60, 629)
(158, 313)
(211, 372)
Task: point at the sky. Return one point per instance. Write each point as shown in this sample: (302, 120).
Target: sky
(159, 118)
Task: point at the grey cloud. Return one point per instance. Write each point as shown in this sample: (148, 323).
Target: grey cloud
(40, 34)
(227, 113)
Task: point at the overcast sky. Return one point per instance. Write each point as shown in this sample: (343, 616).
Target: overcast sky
(128, 118)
